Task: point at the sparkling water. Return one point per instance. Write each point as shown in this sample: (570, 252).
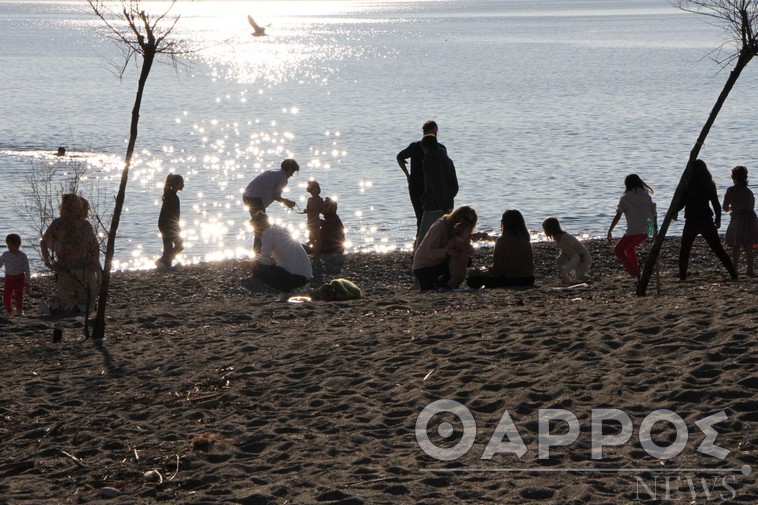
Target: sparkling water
(544, 107)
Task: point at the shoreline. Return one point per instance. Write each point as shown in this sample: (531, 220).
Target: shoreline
(206, 389)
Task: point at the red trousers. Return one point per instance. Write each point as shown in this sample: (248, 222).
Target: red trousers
(13, 287)
(624, 251)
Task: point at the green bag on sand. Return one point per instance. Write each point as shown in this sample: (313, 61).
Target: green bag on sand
(345, 289)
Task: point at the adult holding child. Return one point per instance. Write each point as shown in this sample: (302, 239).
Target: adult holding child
(267, 188)
(699, 219)
(512, 259)
(431, 260)
(415, 176)
(70, 248)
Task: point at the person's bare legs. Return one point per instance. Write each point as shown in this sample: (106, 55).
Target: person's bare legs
(749, 258)
(736, 256)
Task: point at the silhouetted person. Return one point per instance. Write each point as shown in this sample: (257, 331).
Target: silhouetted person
(415, 176)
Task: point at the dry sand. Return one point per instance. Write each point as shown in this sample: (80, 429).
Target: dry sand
(208, 390)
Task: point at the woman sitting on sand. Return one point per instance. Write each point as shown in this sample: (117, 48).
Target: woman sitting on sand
(70, 248)
(512, 260)
(430, 262)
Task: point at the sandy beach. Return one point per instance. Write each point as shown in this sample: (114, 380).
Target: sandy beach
(207, 389)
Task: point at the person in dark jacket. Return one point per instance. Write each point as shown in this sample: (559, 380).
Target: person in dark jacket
(168, 221)
(440, 184)
(415, 176)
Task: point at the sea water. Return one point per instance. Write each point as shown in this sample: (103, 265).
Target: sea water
(544, 107)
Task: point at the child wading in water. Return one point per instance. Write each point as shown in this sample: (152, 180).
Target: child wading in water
(742, 231)
(637, 206)
(313, 211)
(574, 256)
(459, 249)
(168, 221)
(17, 275)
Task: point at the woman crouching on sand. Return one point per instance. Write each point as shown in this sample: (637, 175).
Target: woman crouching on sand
(430, 262)
(512, 260)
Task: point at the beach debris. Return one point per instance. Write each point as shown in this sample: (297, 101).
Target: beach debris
(73, 458)
(428, 374)
(154, 475)
(109, 492)
(177, 468)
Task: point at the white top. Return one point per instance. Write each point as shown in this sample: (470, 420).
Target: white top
(267, 186)
(570, 245)
(278, 244)
(637, 206)
(15, 263)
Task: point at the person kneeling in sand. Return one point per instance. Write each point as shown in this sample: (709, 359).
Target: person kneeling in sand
(282, 264)
(574, 256)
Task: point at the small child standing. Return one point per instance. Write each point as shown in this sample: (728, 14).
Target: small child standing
(17, 275)
(313, 210)
(332, 229)
(459, 249)
(742, 231)
(574, 256)
(168, 221)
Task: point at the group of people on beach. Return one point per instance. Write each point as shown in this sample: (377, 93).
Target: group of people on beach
(443, 242)
(69, 247)
(442, 248)
(281, 262)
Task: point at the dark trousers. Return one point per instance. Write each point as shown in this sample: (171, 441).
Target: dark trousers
(418, 209)
(477, 281)
(277, 277)
(172, 245)
(255, 205)
(431, 278)
(706, 228)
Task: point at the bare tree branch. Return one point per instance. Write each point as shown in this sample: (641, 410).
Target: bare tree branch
(739, 18)
(143, 33)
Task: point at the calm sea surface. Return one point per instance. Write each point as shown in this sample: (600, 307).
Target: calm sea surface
(544, 106)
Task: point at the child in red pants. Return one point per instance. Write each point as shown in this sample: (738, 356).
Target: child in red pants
(16, 275)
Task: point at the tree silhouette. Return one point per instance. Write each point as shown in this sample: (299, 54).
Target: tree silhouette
(739, 18)
(147, 36)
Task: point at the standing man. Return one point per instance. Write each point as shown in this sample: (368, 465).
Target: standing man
(416, 175)
(440, 184)
(265, 189)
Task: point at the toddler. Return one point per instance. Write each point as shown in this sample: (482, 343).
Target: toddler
(313, 210)
(17, 275)
(574, 256)
(459, 249)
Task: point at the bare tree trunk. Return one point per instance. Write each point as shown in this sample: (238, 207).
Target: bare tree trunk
(99, 325)
(652, 257)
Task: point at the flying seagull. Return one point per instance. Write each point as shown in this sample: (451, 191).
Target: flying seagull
(260, 31)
